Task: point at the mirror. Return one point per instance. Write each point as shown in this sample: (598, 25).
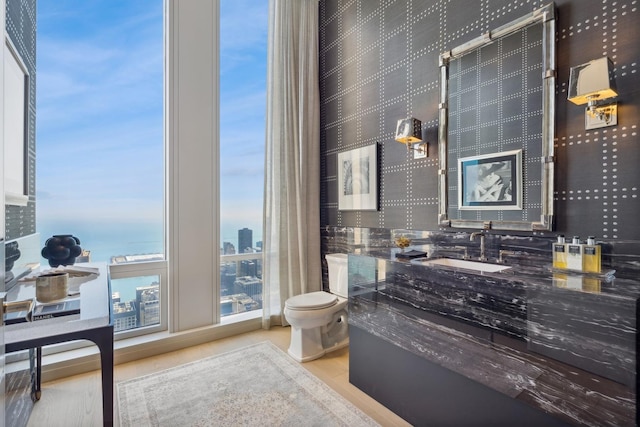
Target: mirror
(496, 131)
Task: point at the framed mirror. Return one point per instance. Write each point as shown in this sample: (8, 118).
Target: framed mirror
(497, 125)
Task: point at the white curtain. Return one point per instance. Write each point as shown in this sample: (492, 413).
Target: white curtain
(291, 240)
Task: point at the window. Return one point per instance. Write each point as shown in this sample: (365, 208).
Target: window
(243, 74)
(100, 143)
(102, 96)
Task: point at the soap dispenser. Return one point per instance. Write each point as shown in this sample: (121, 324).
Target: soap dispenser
(574, 254)
(560, 253)
(592, 257)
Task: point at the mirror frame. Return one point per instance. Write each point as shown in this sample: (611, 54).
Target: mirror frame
(545, 16)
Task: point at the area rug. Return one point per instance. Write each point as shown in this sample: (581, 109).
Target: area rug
(259, 385)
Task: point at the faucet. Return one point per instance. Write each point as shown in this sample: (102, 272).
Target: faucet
(463, 248)
(504, 254)
(483, 256)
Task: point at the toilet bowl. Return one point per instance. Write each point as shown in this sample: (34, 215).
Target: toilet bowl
(319, 319)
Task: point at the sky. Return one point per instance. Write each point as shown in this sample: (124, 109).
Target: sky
(99, 112)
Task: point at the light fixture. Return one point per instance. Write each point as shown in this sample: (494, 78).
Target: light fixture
(591, 84)
(409, 132)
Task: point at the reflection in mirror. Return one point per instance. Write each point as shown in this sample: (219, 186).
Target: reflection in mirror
(22, 256)
(497, 111)
(16, 128)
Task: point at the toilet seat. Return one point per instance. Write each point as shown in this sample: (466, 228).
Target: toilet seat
(312, 301)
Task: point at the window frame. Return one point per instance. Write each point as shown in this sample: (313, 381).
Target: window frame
(141, 269)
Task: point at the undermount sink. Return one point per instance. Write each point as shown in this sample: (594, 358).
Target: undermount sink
(481, 267)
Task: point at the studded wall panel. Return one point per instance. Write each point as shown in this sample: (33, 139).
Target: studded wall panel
(379, 63)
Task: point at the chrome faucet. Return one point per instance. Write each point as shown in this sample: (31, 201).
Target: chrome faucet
(483, 256)
(463, 248)
(504, 254)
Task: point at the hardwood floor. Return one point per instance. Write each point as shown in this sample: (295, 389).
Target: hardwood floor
(77, 401)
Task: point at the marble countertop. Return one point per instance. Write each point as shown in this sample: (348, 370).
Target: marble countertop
(611, 283)
(562, 341)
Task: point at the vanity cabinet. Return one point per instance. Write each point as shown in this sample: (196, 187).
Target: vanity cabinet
(445, 346)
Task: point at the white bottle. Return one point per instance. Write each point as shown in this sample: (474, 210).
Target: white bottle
(574, 254)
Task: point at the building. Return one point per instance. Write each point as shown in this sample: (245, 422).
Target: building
(124, 259)
(248, 268)
(227, 277)
(148, 303)
(125, 315)
(251, 286)
(228, 248)
(245, 240)
(237, 303)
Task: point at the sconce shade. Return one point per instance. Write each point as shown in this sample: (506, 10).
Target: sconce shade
(409, 130)
(592, 81)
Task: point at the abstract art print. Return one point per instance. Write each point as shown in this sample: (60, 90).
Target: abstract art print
(490, 181)
(358, 179)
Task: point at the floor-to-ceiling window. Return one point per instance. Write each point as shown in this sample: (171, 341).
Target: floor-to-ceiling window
(243, 54)
(100, 144)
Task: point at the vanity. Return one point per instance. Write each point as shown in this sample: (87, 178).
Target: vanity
(448, 344)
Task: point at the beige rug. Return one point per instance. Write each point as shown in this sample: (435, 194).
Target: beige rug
(259, 385)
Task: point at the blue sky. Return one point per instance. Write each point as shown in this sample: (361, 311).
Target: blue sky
(99, 111)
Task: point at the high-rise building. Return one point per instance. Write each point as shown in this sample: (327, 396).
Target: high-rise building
(248, 268)
(228, 248)
(124, 316)
(227, 277)
(237, 303)
(245, 240)
(148, 302)
(251, 286)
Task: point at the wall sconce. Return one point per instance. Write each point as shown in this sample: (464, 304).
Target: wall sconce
(590, 84)
(409, 132)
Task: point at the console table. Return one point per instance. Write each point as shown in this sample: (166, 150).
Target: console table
(95, 323)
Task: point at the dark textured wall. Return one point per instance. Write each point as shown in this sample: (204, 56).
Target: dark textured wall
(379, 63)
(21, 27)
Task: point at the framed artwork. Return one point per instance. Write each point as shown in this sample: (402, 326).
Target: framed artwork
(490, 181)
(358, 179)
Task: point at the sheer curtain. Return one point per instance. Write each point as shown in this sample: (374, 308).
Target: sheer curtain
(291, 240)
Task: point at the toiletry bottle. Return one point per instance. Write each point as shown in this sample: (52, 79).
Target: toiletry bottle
(559, 253)
(592, 259)
(574, 254)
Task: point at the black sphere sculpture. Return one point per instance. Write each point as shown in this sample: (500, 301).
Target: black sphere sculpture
(61, 249)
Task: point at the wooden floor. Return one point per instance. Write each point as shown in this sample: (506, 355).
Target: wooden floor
(77, 400)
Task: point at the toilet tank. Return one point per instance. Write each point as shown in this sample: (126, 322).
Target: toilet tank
(338, 274)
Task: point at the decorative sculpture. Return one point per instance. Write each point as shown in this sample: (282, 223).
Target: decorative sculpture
(61, 249)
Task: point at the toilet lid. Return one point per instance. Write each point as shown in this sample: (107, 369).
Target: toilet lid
(312, 301)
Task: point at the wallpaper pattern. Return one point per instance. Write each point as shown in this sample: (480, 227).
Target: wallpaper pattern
(379, 63)
(21, 28)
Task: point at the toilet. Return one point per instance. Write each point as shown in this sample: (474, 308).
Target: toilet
(319, 319)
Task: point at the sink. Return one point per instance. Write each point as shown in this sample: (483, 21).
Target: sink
(481, 267)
